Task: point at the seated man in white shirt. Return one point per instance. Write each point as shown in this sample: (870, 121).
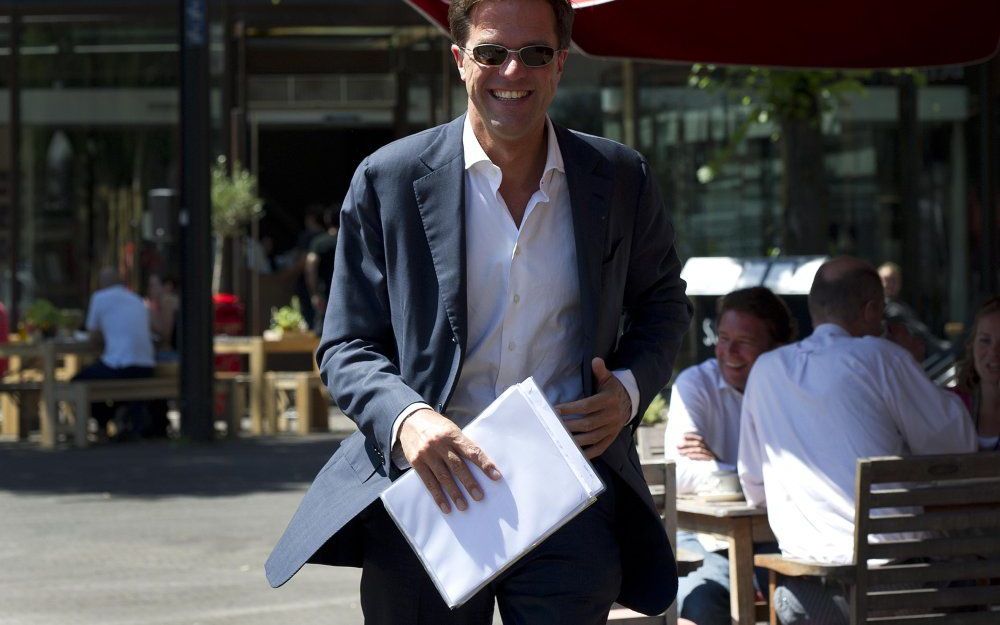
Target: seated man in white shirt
(703, 429)
(121, 319)
(812, 408)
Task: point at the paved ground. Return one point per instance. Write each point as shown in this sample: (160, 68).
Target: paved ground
(160, 533)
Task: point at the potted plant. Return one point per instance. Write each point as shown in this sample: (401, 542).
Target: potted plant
(287, 319)
(649, 434)
(235, 204)
(42, 317)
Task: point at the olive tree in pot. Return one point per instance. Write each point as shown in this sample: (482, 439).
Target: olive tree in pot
(235, 204)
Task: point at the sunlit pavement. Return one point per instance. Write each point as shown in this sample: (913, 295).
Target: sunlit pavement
(160, 532)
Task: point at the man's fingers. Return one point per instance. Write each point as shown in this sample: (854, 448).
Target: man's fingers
(586, 405)
(691, 436)
(478, 457)
(444, 478)
(584, 424)
(431, 483)
(461, 471)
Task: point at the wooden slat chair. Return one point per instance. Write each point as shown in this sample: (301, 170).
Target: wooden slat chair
(950, 573)
(661, 478)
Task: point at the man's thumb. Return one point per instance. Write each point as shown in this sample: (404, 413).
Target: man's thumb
(601, 372)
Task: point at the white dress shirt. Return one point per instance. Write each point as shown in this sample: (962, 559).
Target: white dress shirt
(123, 320)
(812, 408)
(523, 291)
(701, 401)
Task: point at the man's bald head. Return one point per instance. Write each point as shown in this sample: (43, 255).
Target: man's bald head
(847, 291)
(108, 277)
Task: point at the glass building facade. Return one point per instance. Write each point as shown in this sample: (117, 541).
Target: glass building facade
(301, 91)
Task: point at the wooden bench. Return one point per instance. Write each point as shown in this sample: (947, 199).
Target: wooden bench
(949, 574)
(312, 403)
(661, 477)
(19, 406)
(80, 394)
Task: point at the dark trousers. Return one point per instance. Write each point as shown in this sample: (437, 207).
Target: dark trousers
(572, 578)
(103, 412)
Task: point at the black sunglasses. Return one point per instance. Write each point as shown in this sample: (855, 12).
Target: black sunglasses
(495, 55)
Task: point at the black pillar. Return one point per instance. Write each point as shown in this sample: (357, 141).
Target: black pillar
(196, 225)
(14, 186)
(988, 178)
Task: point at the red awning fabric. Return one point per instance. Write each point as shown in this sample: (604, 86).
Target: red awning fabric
(782, 33)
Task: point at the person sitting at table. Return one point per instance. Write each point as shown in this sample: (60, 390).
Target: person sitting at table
(703, 429)
(164, 305)
(979, 374)
(119, 317)
(811, 409)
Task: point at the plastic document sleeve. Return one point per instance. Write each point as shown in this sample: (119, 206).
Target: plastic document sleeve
(546, 482)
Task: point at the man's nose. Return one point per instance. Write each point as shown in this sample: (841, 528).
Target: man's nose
(512, 65)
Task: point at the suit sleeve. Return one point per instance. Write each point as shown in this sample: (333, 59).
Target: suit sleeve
(657, 311)
(357, 356)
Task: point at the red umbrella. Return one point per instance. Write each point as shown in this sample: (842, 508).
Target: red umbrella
(782, 33)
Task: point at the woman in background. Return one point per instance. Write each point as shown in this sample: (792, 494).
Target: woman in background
(979, 374)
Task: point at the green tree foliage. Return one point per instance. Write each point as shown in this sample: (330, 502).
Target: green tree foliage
(235, 202)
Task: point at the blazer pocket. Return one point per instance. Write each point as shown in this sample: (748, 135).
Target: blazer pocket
(610, 256)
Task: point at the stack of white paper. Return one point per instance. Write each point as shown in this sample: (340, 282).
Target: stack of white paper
(546, 482)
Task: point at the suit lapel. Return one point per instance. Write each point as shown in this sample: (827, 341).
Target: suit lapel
(440, 197)
(590, 194)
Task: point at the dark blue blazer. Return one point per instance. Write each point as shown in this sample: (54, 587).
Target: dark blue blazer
(395, 332)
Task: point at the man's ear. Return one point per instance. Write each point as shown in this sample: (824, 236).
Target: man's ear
(459, 57)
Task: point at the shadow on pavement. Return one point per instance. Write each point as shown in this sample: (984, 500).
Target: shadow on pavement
(167, 468)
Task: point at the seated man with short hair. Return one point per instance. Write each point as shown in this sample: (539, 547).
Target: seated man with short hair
(813, 408)
(120, 318)
(703, 428)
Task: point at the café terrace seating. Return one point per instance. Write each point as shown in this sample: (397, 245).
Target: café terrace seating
(950, 573)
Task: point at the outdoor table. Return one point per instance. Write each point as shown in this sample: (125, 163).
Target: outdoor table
(742, 526)
(48, 351)
(257, 349)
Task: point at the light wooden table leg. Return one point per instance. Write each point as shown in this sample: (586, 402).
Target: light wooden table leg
(50, 417)
(303, 404)
(741, 594)
(11, 425)
(257, 421)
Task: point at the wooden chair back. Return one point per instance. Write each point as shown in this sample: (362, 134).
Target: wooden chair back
(661, 477)
(949, 573)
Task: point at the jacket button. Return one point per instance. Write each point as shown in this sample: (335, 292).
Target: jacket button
(440, 407)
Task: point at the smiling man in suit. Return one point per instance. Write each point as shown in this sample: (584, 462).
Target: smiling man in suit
(471, 256)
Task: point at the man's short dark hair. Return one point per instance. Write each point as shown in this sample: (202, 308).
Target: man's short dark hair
(762, 303)
(460, 20)
(842, 295)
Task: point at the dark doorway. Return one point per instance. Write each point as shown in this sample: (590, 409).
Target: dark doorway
(300, 166)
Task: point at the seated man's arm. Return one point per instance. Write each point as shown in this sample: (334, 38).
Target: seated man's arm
(931, 419)
(750, 463)
(687, 418)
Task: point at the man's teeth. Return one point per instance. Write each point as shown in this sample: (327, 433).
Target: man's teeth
(510, 95)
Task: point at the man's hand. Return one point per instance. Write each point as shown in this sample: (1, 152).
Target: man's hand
(695, 448)
(602, 415)
(437, 450)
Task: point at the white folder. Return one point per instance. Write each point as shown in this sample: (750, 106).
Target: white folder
(546, 482)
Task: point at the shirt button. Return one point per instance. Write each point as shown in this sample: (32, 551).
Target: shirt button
(517, 299)
(510, 346)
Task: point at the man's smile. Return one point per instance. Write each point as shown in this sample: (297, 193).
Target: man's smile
(508, 95)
